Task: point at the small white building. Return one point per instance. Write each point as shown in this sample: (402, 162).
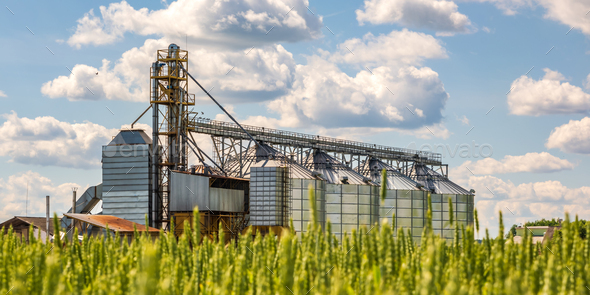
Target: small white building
(541, 234)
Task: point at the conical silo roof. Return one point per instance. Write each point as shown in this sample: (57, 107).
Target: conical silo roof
(333, 170)
(434, 181)
(136, 136)
(395, 179)
(264, 155)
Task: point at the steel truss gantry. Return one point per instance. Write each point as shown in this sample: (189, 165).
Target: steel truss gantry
(230, 144)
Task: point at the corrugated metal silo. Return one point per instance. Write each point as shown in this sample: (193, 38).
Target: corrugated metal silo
(279, 189)
(403, 198)
(352, 200)
(126, 176)
(442, 189)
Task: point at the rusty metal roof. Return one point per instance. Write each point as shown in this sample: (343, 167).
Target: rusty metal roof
(115, 223)
(38, 222)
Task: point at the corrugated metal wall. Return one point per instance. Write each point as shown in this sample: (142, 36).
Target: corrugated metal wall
(126, 181)
(301, 206)
(269, 196)
(462, 211)
(226, 200)
(411, 207)
(188, 191)
(351, 206)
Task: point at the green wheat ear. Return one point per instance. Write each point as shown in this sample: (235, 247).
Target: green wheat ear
(476, 220)
(314, 262)
(429, 214)
(383, 184)
(451, 215)
(313, 206)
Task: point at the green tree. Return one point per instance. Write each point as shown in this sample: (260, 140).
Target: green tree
(580, 224)
(512, 230)
(543, 222)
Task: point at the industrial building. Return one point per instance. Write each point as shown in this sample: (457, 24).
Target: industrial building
(259, 177)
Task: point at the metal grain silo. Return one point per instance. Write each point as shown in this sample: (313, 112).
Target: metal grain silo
(279, 190)
(302, 180)
(352, 200)
(442, 189)
(126, 176)
(403, 198)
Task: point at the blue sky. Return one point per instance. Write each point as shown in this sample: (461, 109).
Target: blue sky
(447, 63)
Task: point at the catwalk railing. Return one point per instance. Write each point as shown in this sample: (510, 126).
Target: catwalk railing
(295, 139)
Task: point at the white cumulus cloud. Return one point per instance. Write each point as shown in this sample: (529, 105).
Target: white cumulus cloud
(526, 201)
(323, 95)
(256, 74)
(233, 24)
(568, 12)
(573, 137)
(490, 187)
(386, 50)
(587, 82)
(13, 191)
(89, 83)
(520, 202)
(509, 7)
(438, 15)
(47, 141)
(523, 202)
(571, 13)
(2, 94)
(391, 92)
(550, 95)
(529, 162)
(464, 120)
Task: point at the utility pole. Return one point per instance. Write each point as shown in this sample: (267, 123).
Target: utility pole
(47, 220)
(74, 189)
